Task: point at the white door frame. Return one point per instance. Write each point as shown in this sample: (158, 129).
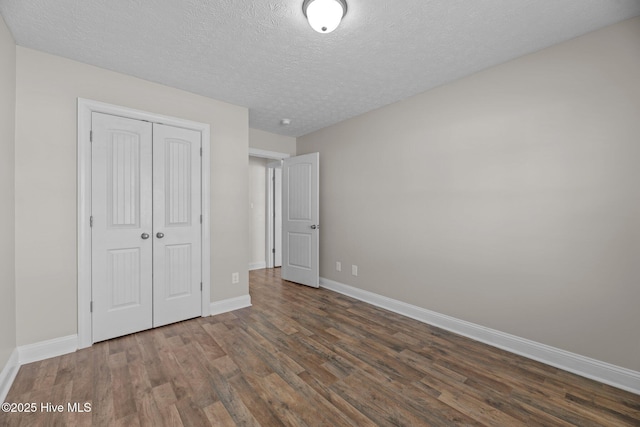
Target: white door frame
(85, 108)
(274, 193)
(270, 236)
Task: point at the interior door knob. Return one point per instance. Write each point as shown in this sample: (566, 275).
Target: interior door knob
(159, 235)
(313, 227)
(144, 236)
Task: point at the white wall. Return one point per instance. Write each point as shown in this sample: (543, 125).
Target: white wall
(272, 142)
(7, 195)
(47, 89)
(257, 209)
(508, 199)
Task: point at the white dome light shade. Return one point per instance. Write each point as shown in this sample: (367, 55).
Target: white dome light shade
(324, 16)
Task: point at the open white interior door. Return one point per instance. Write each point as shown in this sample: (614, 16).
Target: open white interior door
(300, 219)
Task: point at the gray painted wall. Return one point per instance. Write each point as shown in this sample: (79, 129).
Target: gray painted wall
(508, 199)
(7, 195)
(47, 89)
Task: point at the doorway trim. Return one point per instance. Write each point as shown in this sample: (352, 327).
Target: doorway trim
(269, 228)
(85, 108)
(273, 193)
(273, 155)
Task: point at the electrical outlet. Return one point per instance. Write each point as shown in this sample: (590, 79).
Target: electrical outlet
(354, 270)
(235, 277)
(338, 266)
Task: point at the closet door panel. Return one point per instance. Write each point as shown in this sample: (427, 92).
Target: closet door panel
(121, 208)
(176, 224)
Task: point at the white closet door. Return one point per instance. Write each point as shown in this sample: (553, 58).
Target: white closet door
(122, 225)
(300, 219)
(176, 224)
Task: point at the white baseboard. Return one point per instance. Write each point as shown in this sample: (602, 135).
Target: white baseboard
(615, 376)
(230, 304)
(257, 265)
(47, 349)
(8, 374)
(64, 345)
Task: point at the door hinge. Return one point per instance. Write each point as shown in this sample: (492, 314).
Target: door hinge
(200, 219)
(200, 286)
(200, 151)
(91, 221)
(273, 250)
(91, 306)
(90, 136)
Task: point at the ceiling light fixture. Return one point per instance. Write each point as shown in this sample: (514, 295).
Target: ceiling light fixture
(324, 16)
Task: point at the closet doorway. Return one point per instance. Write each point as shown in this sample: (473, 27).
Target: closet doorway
(142, 260)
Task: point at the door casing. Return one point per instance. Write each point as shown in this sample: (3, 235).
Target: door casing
(270, 229)
(85, 109)
(274, 214)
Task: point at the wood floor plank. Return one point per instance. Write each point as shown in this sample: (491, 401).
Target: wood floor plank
(247, 361)
(171, 416)
(130, 420)
(103, 411)
(290, 409)
(255, 402)
(218, 415)
(149, 413)
(46, 376)
(232, 400)
(357, 417)
(381, 405)
(151, 360)
(122, 394)
(191, 414)
(25, 379)
(204, 342)
(163, 395)
(196, 376)
(478, 410)
(169, 366)
(301, 356)
(282, 356)
(539, 418)
(604, 403)
(556, 409)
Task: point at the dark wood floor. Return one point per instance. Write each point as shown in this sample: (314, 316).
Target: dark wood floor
(309, 357)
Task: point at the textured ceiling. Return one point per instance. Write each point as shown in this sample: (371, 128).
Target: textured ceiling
(262, 54)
